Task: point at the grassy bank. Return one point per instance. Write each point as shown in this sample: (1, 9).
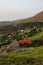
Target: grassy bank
(33, 56)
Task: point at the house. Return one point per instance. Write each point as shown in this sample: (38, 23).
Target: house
(25, 43)
(17, 44)
(14, 44)
(29, 43)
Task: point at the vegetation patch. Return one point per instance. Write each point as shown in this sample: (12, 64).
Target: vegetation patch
(23, 57)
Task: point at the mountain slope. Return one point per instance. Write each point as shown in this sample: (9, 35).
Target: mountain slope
(37, 18)
(36, 21)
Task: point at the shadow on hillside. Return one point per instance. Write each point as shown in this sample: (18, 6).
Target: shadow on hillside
(37, 43)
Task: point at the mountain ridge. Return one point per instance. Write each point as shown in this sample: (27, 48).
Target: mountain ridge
(36, 18)
(15, 25)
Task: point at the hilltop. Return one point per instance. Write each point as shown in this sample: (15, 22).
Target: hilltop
(15, 25)
(36, 18)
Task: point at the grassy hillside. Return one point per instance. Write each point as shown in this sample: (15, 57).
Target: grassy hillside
(32, 56)
(37, 36)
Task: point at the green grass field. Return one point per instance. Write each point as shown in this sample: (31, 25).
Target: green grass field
(37, 36)
(33, 56)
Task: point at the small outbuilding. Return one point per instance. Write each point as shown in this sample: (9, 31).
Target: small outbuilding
(14, 45)
(25, 43)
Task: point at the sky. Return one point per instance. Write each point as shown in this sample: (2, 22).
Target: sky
(19, 9)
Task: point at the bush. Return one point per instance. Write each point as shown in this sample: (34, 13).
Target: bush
(37, 43)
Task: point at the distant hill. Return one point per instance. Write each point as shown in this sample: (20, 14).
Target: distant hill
(37, 18)
(5, 23)
(8, 26)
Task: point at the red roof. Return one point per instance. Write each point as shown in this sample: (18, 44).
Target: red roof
(25, 41)
(21, 41)
(28, 41)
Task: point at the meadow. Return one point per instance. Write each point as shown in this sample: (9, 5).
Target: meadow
(33, 56)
